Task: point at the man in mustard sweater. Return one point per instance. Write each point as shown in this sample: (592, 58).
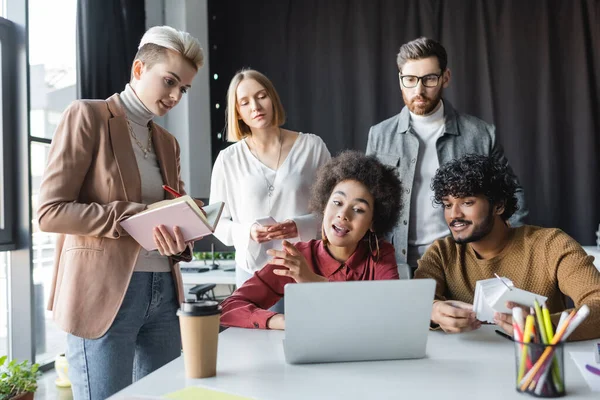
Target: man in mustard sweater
(478, 197)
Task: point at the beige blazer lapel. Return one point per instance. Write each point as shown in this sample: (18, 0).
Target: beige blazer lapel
(123, 151)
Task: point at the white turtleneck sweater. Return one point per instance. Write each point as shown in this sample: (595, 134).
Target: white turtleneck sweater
(139, 118)
(427, 222)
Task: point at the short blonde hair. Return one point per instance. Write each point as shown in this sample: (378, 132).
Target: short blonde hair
(155, 42)
(236, 127)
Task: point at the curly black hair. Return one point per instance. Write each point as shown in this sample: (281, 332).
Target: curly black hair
(474, 174)
(381, 181)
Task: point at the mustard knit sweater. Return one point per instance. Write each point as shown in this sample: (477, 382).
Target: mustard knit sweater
(541, 260)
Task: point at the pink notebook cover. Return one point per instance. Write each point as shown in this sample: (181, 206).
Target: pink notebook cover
(141, 226)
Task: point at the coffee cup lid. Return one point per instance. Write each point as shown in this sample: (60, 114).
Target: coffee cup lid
(199, 308)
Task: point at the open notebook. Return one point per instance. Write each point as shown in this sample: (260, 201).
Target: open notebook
(492, 294)
(182, 212)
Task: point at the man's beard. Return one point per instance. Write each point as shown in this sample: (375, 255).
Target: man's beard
(479, 232)
(427, 108)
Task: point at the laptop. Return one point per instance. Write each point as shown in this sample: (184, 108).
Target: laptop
(357, 321)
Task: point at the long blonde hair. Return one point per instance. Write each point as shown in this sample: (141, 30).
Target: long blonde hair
(236, 127)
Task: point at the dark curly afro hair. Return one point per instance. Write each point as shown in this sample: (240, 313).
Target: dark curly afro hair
(381, 181)
(473, 175)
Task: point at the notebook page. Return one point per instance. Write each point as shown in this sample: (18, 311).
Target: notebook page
(213, 213)
(163, 203)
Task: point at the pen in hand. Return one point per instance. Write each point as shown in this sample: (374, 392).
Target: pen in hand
(176, 194)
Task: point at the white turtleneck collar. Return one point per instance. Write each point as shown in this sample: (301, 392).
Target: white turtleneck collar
(434, 119)
(136, 111)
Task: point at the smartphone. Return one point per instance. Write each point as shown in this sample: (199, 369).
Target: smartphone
(266, 221)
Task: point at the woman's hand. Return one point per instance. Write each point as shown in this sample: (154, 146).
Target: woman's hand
(277, 321)
(259, 233)
(166, 244)
(295, 264)
(285, 230)
(200, 204)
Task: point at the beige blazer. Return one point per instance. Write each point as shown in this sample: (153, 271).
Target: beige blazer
(91, 183)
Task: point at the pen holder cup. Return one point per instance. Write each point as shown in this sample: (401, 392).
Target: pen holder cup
(540, 369)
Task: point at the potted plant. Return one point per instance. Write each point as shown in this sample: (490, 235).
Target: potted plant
(201, 255)
(18, 380)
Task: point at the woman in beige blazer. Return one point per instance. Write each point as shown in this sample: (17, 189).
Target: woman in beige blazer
(108, 161)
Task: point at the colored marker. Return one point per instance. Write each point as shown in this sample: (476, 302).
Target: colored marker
(593, 370)
(539, 364)
(526, 338)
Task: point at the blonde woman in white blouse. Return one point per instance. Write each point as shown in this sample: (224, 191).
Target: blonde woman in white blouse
(268, 171)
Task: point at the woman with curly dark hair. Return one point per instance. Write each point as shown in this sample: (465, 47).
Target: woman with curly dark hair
(360, 200)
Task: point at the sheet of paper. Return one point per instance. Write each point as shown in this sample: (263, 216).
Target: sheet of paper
(518, 296)
(484, 290)
(195, 392)
(492, 294)
(581, 358)
(484, 312)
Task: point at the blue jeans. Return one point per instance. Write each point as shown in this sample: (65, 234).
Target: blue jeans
(144, 336)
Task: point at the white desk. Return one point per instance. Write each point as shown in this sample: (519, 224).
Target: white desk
(476, 365)
(217, 276)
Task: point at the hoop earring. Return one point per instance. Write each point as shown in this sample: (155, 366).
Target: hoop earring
(371, 234)
(324, 236)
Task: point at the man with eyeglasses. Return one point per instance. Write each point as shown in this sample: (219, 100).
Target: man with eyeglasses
(427, 133)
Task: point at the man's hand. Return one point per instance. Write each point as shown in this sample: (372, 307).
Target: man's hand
(454, 316)
(504, 321)
(277, 321)
(285, 230)
(295, 264)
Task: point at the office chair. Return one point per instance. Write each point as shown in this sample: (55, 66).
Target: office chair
(203, 291)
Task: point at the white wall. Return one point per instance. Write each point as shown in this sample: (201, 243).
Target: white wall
(190, 120)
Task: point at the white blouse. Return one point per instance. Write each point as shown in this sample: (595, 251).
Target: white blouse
(241, 181)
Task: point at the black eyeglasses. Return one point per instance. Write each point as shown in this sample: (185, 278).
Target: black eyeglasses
(411, 81)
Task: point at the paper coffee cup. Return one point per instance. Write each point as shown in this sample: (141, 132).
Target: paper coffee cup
(199, 321)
